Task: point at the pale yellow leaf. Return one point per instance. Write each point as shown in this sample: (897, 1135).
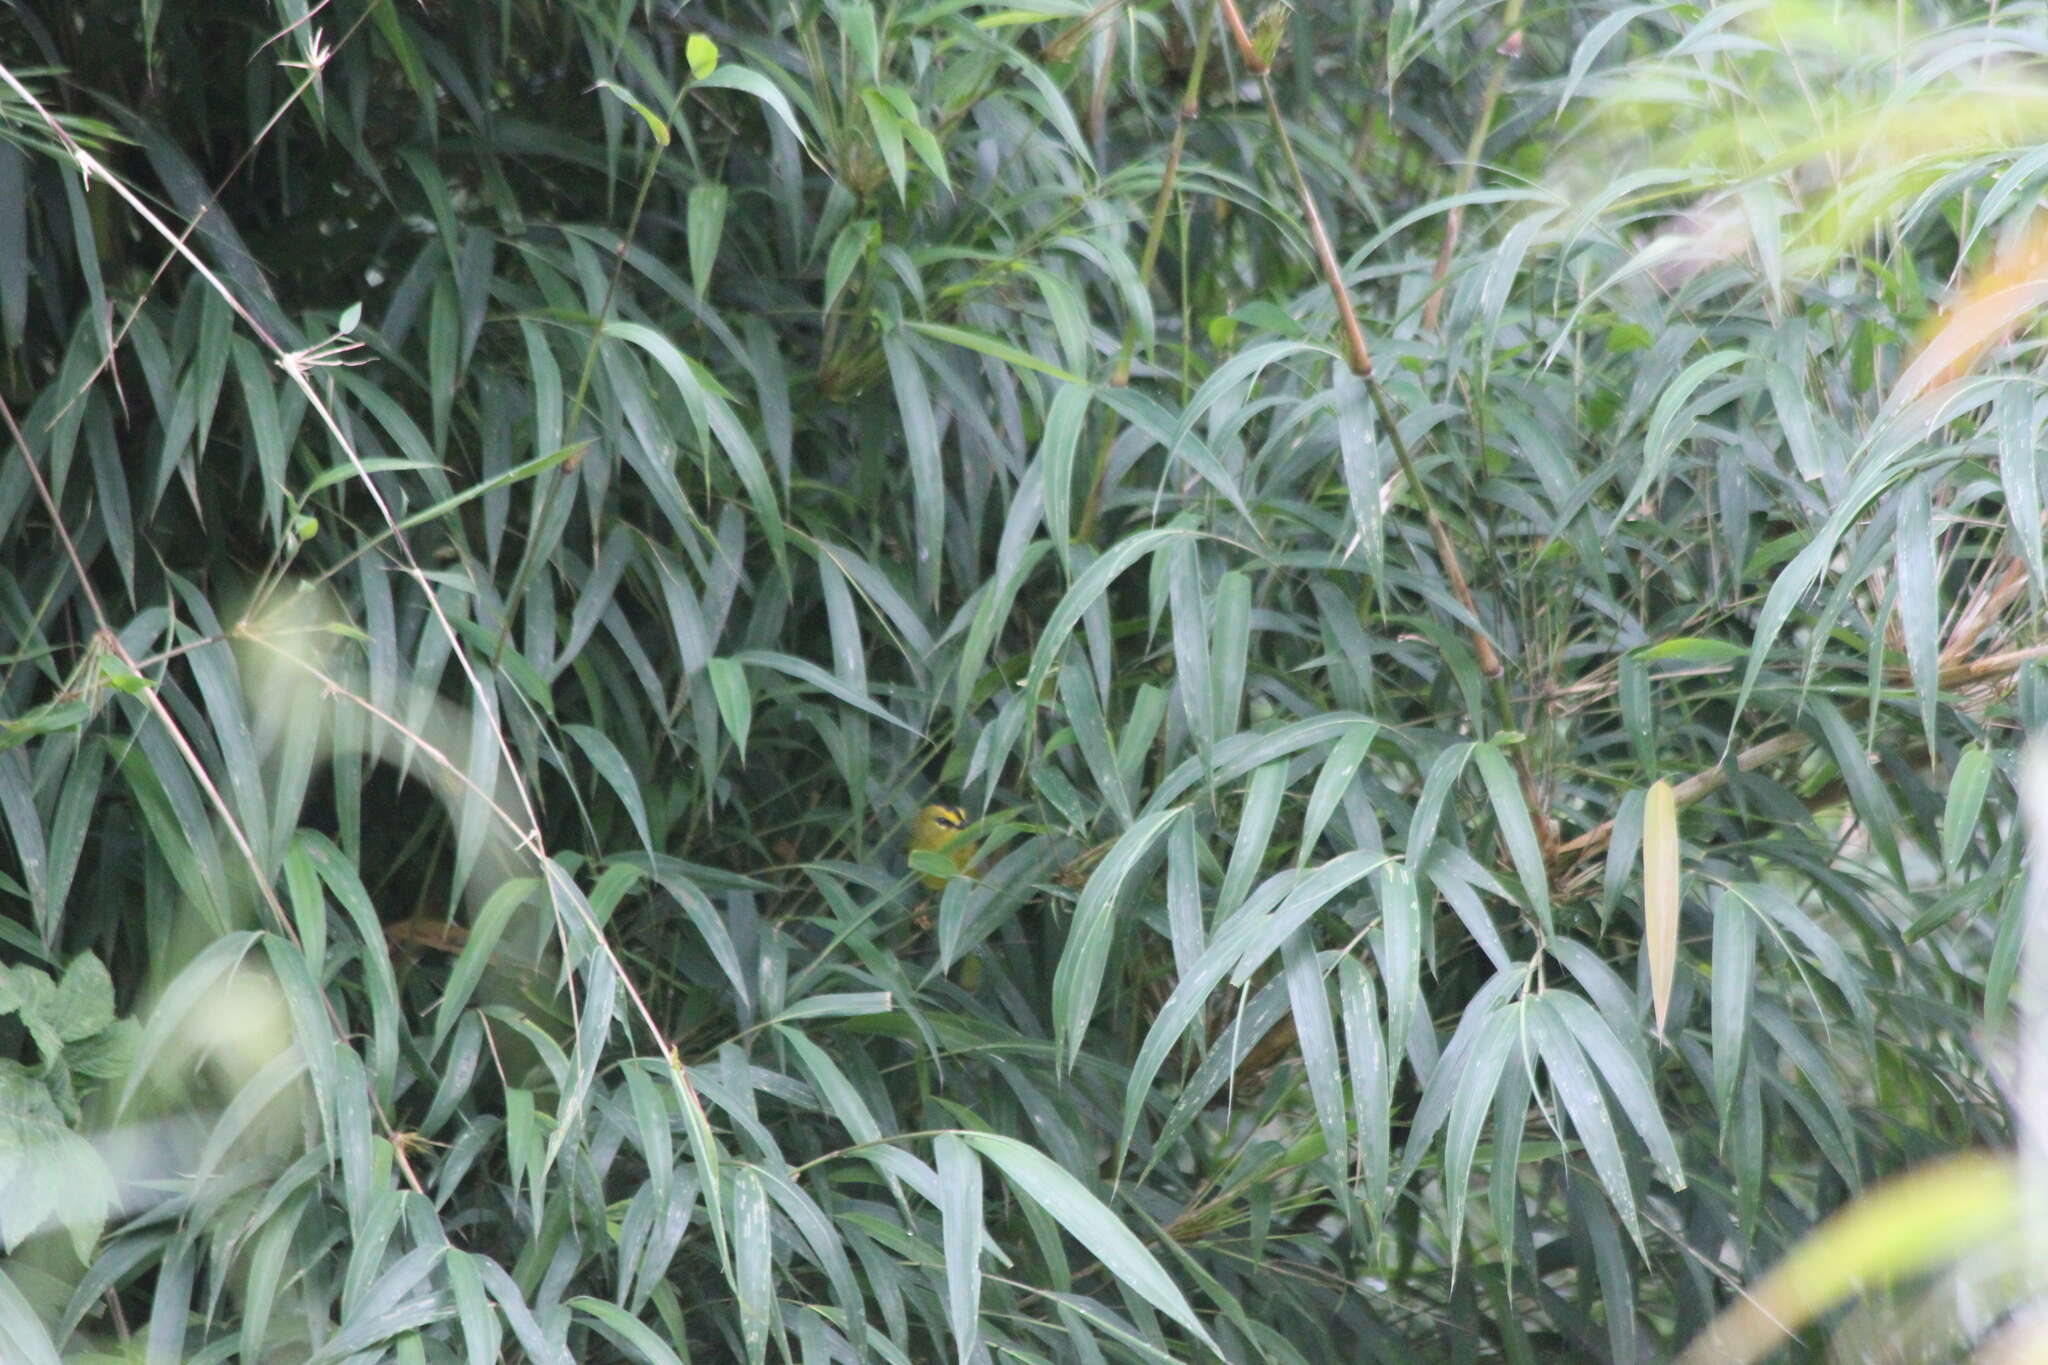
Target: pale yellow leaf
(1660, 895)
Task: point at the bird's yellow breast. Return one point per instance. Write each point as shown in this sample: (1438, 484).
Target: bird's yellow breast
(937, 829)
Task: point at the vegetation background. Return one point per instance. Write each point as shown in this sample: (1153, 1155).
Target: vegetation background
(1480, 568)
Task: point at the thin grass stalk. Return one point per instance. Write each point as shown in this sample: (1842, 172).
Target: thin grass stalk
(1120, 374)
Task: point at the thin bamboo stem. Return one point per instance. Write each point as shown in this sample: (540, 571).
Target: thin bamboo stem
(1509, 49)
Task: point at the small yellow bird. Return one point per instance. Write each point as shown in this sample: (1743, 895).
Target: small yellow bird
(937, 829)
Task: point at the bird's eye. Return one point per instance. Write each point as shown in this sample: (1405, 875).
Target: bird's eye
(950, 818)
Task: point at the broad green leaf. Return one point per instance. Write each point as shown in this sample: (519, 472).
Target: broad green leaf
(735, 700)
(1967, 787)
(701, 54)
(1092, 1224)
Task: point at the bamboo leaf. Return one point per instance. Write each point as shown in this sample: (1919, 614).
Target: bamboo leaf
(1513, 815)
(1092, 1224)
(960, 1212)
(1967, 787)
(1661, 895)
(1078, 979)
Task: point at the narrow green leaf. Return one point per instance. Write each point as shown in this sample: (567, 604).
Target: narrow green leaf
(704, 222)
(1371, 1073)
(927, 471)
(1583, 1104)
(626, 1330)
(1734, 981)
(1512, 814)
(1472, 1085)
(740, 78)
(21, 1329)
(1248, 842)
(1400, 947)
(1919, 597)
(1672, 422)
(803, 670)
(477, 951)
(960, 1222)
(753, 1240)
(999, 350)
(1627, 1079)
(1058, 447)
(1091, 733)
(832, 1085)
(1316, 1035)
(2019, 475)
(611, 765)
(1230, 635)
(656, 124)
(838, 1005)
(1078, 979)
(1087, 589)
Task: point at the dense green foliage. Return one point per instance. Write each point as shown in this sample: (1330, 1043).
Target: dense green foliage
(522, 502)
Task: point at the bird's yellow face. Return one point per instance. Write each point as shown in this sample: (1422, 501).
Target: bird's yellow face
(937, 829)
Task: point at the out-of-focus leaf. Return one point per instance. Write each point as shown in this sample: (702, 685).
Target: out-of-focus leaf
(1915, 1221)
